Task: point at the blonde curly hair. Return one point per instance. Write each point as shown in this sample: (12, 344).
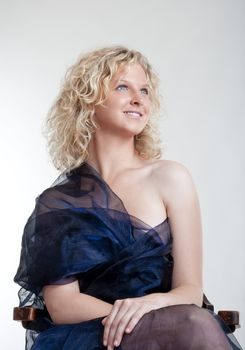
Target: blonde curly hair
(70, 125)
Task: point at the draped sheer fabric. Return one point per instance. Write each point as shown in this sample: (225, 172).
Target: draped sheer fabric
(80, 229)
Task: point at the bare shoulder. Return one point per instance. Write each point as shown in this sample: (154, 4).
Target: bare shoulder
(170, 170)
(171, 178)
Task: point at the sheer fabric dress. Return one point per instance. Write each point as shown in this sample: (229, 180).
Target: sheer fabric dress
(80, 229)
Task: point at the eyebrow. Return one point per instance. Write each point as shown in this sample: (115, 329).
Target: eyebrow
(127, 81)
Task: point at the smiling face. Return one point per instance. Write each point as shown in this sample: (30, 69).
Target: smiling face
(127, 106)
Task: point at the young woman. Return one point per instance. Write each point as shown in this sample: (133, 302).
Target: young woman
(113, 249)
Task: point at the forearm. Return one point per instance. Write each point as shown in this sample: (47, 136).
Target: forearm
(186, 294)
(77, 308)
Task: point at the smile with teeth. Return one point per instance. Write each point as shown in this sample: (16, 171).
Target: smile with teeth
(133, 114)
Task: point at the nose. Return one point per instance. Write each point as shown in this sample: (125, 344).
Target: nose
(136, 99)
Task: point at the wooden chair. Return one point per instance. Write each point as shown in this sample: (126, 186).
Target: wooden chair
(27, 314)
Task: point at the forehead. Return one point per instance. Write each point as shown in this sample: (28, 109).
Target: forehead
(132, 72)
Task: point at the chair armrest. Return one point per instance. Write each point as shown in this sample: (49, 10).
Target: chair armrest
(206, 303)
(28, 315)
(231, 318)
(25, 313)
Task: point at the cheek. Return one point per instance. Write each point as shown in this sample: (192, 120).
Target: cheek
(148, 106)
(118, 101)
(100, 114)
(112, 104)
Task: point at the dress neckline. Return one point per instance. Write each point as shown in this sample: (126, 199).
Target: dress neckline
(135, 218)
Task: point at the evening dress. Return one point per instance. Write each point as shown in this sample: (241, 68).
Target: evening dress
(80, 229)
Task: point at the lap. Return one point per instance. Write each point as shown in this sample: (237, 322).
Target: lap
(165, 328)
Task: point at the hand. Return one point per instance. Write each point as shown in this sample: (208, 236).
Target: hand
(124, 316)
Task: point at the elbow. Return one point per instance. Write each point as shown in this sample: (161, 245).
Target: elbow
(56, 319)
(199, 302)
(199, 297)
(55, 313)
(194, 295)
(194, 299)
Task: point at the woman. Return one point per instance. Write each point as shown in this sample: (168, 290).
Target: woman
(113, 248)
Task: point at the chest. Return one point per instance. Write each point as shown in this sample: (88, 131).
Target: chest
(141, 197)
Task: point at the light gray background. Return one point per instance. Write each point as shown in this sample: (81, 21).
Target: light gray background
(197, 48)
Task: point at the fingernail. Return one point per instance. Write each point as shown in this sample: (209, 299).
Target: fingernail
(116, 343)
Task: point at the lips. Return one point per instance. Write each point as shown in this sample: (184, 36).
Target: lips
(133, 113)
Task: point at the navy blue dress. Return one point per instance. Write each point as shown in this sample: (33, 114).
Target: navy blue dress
(81, 229)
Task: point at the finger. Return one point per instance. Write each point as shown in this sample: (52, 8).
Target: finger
(135, 319)
(122, 316)
(104, 320)
(109, 319)
(122, 323)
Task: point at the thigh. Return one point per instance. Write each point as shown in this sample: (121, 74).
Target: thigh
(182, 327)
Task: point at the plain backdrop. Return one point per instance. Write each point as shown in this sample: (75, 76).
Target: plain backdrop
(198, 49)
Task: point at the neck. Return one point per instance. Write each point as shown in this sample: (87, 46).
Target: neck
(110, 155)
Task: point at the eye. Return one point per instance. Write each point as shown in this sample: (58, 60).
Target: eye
(122, 87)
(145, 91)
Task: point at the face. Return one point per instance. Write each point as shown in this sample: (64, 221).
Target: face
(127, 106)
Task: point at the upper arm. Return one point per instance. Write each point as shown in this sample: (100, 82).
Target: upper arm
(56, 295)
(181, 200)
